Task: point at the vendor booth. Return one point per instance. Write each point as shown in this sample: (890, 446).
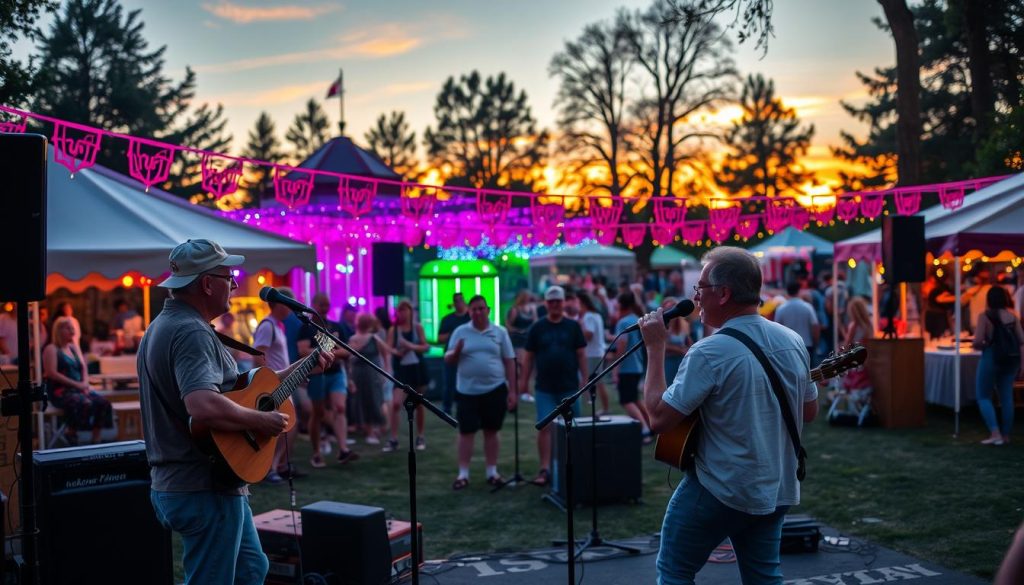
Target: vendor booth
(791, 253)
(616, 264)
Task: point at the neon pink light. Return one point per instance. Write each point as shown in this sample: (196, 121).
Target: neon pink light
(75, 153)
(220, 174)
(150, 165)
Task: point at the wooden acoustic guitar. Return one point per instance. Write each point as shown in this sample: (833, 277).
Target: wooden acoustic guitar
(678, 447)
(249, 454)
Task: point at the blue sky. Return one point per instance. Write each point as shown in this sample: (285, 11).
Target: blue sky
(273, 55)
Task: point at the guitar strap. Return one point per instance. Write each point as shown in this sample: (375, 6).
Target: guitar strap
(780, 395)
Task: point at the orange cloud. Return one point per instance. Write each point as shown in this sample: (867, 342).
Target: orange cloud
(246, 14)
(390, 90)
(276, 95)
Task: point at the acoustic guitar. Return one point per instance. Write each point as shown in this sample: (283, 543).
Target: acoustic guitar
(678, 447)
(248, 454)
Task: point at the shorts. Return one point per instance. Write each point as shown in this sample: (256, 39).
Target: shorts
(387, 392)
(592, 363)
(321, 385)
(548, 401)
(629, 388)
(481, 411)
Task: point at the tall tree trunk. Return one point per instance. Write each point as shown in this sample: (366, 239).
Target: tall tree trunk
(908, 90)
(979, 63)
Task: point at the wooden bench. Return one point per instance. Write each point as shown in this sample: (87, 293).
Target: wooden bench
(129, 419)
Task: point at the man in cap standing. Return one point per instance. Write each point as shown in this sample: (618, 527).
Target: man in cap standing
(183, 369)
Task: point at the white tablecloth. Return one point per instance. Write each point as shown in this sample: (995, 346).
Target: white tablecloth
(939, 380)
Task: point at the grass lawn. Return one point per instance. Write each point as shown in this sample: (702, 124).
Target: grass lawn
(949, 501)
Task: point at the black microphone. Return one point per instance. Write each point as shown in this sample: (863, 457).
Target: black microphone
(272, 295)
(681, 309)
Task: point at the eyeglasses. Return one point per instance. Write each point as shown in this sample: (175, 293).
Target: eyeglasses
(697, 287)
(228, 277)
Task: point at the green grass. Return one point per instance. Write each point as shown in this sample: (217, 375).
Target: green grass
(946, 500)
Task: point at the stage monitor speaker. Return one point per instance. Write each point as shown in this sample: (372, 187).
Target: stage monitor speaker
(96, 522)
(23, 220)
(345, 544)
(618, 455)
(903, 249)
(388, 269)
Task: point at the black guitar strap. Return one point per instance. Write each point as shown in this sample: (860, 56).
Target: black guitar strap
(780, 395)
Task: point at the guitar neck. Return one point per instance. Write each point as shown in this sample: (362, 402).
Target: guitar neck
(296, 377)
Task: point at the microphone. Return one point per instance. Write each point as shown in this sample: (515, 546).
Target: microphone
(681, 309)
(272, 295)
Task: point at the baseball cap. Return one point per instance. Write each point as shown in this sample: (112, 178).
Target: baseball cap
(195, 257)
(554, 293)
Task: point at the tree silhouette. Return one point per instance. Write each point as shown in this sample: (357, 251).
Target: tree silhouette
(765, 144)
(203, 129)
(263, 145)
(754, 17)
(17, 20)
(309, 130)
(393, 142)
(593, 71)
(908, 94)
(485, 131)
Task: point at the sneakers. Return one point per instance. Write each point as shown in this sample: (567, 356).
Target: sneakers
(317, 462)
(421, 443)
(347, 456)
(325, 448)
(391, 446)
(526, 397)
(350, 441)
(273, 478)
(372, 440)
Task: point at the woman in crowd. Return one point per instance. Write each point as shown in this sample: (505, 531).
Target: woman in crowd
(409, 341)
(518, 320)
(366, 400)
(64, 309)
(628, 373)
(678, 342)
(68, 377)
(997, 369)
(593, 331)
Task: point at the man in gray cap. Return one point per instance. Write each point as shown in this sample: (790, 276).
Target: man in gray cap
(183, 368)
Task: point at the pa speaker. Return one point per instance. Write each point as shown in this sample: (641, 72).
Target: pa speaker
(903, 249)
(388, 269)
(345, 544)
(618, 461)
(23, 221)
(96, 522)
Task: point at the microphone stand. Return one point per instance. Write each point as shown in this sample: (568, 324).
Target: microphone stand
(412, 400)
(565, 410)
(517, 478)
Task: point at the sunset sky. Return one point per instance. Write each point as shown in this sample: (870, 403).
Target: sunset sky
(272, 55)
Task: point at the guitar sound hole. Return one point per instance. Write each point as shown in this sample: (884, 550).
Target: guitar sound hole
(265, 404)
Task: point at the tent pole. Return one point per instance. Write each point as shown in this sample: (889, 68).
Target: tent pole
(874, 297)
(956, 361)
(145, 305)
(835, 303)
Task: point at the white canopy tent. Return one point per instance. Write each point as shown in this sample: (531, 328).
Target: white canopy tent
(615, 263)
(987, 225)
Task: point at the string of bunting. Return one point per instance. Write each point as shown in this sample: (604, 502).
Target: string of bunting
(149, 162)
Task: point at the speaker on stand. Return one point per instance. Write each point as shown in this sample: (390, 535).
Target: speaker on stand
(903, 256)
(388, 269)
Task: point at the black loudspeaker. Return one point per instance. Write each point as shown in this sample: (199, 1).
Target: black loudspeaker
(388, 269)
(903, 249)
(345, 544)
(23, 220)
(96, 522)
(618, 457)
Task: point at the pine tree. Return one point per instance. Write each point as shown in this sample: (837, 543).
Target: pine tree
(309, 130)
(392, 141)
(17, 21)
(203, 129)
(263, 145)
(765, 145)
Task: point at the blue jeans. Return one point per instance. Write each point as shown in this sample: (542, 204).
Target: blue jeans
(218, 536)
(548, 401)
(448, 388)
(696, 522)
(1000, 379)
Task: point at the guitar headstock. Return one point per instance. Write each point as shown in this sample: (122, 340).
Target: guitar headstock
(325, 343)
(836, 364)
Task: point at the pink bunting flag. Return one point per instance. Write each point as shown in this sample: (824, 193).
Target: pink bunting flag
(717, 233)
(411, 236)
(417, 201)
(747, 225)
(633, 233)
(14, 127)
(822, 213)
(546, 218)
(149, 163)
(724, 218)
(800, 217)
(951, 197)
(847, 207)
(602, 216)
(295, 191)
(778, 214)
(472, 237)
(500, 235)
(355, 195)
(493, 206)
(908, 201)
(606, 235)
(221, 174)
(75, 153)
(662, 235)
(693, 231)
(575, 233)
(872, 204)
(669, 211)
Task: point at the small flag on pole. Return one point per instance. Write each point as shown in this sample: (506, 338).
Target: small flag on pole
(334, 89)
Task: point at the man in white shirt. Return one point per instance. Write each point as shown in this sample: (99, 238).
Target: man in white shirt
(744, 476)
(484, 386)
(800, 316)
(270, 338)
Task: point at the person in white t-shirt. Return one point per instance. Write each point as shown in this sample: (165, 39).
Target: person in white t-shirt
(485, 386)
(593, 331)
(800, 316)
(270, 338)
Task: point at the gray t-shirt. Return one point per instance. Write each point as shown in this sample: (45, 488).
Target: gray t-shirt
(179, 354)
(745, 456)
(482, 361)
(798, 315)
(270, 333)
